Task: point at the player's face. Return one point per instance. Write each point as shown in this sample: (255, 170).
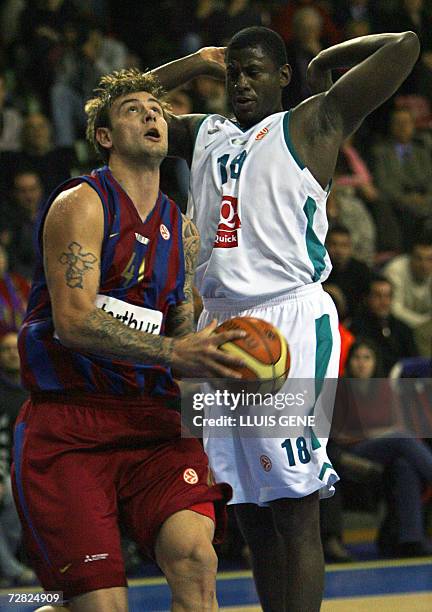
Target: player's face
(138, 128)
(254, 84)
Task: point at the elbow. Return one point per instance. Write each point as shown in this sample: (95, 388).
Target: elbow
(67, 337)
(69, 332)
(410, 44)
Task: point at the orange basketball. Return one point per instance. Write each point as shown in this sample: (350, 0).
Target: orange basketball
(264, 350)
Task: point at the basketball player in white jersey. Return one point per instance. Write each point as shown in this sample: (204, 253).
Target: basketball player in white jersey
(258, 192)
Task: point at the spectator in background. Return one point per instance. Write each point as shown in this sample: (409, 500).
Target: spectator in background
(348, 273)
(239, 14)
(368, 422)
(27, 196)
(353, 29)
(416, 15)
(10, 120)
(345, 208)
(75, 78)
(375, 321)
(411, 278)
(10, 14)
(403, 173)
(12, 395)
(352, 172)
(53, 165)
(307, 42)
(347, 338)
(354, 12)
(88, 55)
(196, 24)
(95, 9)
(14, 293)
(284, 23)
(208, 95)
(211, 22)
(110, 54)
(41, 29)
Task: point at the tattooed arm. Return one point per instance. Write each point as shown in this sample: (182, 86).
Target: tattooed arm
(181, 317)
(72, 266)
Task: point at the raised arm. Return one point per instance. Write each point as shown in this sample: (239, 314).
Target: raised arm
(208, 61)
(72, 267)
(378, 64)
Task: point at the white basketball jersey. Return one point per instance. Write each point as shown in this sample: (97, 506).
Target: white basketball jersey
(260, 212)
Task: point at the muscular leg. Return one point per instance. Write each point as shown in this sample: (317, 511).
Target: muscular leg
(297, 522)
(185, 554)
(267, 553)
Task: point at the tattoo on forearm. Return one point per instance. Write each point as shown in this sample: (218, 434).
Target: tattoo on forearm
(78, 263)
(111, 337)
(180, 319)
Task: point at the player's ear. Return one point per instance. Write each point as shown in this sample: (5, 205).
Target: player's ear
(285, 73)
(103, 136)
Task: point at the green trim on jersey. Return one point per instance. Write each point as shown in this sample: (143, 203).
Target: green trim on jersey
(325, 466)
(314, 440)
(288, 140)
(323, 351)
(315, 249)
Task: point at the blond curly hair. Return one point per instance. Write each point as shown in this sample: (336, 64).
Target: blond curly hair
(112, 86)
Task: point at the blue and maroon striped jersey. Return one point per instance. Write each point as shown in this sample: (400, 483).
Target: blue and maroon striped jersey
(142, 275)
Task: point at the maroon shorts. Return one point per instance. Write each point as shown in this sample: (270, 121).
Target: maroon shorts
(80, 470)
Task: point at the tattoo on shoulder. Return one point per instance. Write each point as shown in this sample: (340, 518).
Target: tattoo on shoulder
(191, 245)
(189, 229)
(78, 263)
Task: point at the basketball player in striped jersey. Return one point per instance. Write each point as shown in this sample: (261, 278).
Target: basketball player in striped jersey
(259, 183)
(110, 316)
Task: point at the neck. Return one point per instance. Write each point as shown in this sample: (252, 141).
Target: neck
(140, 183)
(247, 126)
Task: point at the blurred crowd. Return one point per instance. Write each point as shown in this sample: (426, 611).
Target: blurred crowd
(52, 54)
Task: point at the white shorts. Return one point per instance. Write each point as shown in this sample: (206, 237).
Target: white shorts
(264, 469)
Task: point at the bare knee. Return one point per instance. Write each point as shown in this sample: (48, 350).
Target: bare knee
(190, 568)
(197, 562)
(192, 578)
